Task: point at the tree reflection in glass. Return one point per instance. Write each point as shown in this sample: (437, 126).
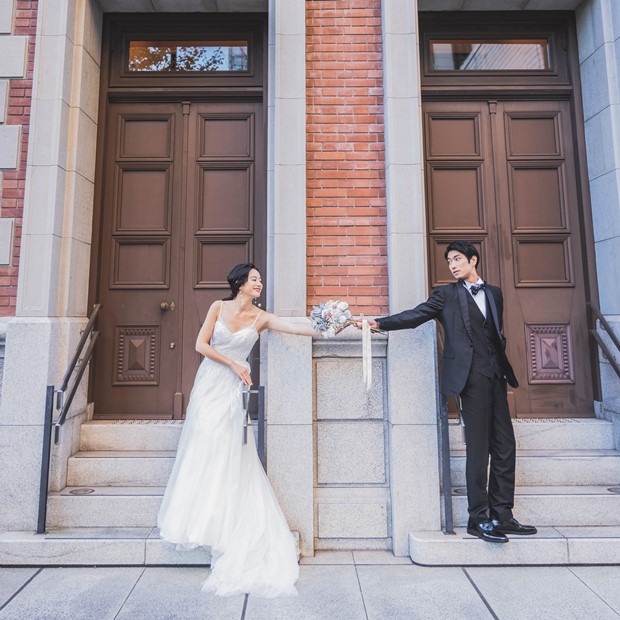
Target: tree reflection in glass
(188, 56)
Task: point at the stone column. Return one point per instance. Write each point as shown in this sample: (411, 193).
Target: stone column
(411, 355)
(598, 30)
(286, 361)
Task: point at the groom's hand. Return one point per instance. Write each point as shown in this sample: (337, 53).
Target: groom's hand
(371, 322)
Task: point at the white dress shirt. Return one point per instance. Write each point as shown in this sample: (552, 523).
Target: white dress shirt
(480, 298)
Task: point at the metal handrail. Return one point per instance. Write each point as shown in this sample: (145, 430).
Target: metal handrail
(610, 332)
(260, 448)
(63, 404)
(444, 461)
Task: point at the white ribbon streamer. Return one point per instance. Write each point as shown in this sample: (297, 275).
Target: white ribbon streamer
(366, 355)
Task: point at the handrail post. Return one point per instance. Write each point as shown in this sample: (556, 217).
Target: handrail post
(45, 459)
(261, 426)
(446, 475)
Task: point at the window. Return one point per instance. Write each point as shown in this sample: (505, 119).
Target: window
(490, 55)
(188, 56)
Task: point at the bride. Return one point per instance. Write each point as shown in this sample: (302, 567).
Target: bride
(218, 494)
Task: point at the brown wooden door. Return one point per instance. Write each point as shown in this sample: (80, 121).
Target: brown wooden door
(183, 202)
(502, 174)
(225, 224)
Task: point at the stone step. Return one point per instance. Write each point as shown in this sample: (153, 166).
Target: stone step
(551, 546)
(128, 506)
(133, 546)
(554, 433)
(555, 467)
(534, 434)
(130, 435)
(144, 468)
(138, 506)
(560, 506)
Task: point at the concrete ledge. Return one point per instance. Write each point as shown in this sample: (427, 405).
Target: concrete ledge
(550, 547)
(96, 546)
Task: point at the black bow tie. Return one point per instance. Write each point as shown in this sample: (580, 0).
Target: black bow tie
(474, 289)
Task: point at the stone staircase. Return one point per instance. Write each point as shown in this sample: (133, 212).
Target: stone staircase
(107, 513)
(568, 485)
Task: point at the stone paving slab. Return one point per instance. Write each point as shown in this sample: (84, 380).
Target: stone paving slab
(12, 579)
(411, 592)
(603, 581)
(329, 557)
(552, 593)
(72, 594)
(175, 594)
(378, 557)
(351, 591)
(325, 592)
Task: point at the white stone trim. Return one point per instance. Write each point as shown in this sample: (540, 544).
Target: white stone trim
(55, 252)
(4, 97)
(404, 156)
(13, 54)
(286, 158)
(7, 226)
(7, 9)
(412, 355)
(10, 142)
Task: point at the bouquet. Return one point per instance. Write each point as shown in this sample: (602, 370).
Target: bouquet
(329, 317)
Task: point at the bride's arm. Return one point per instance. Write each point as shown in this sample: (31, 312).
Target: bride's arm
(271, 321)
(204, 347)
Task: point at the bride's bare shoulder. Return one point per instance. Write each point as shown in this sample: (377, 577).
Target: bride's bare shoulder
(264, 319)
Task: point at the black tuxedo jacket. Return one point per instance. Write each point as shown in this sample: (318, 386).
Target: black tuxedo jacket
(448, 304)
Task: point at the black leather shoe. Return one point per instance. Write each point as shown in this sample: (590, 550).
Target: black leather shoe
(513, 527)
(486, 530)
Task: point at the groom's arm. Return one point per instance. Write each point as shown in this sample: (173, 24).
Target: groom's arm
(427, 310)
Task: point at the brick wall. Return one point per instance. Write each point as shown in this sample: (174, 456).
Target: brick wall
(346, 243)
(14, 180)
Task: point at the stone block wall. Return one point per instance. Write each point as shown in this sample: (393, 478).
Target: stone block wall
(598, 26)
(352, 486)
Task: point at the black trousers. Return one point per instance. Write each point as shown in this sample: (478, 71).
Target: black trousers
(488, 432)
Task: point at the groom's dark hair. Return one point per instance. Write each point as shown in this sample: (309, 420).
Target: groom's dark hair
(237, 277)
(464, 247)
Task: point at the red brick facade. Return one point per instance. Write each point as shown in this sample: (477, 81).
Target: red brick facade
(14, 181)
(346, 215)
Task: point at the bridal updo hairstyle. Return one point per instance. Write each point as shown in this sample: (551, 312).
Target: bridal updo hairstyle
(237, 277)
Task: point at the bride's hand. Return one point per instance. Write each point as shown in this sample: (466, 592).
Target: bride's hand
(241, 372)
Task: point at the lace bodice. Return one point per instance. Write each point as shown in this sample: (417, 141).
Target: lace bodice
(235, 345)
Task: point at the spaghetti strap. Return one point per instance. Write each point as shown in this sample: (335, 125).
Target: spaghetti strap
(256, 318)
(219, 314)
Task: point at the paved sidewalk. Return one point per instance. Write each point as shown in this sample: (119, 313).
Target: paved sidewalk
(338, 585)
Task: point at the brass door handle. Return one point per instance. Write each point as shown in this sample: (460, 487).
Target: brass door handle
(165, 306)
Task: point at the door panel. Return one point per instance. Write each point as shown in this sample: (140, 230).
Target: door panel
(520, 209)
(538, 214)
(139, 261)
(225, 224)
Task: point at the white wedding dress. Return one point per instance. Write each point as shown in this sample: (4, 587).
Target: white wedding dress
(218, 494)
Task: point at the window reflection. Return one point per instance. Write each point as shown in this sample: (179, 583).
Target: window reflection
(188, 56)
(496, 55)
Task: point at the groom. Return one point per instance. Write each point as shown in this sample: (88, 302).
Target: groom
(475, 369)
